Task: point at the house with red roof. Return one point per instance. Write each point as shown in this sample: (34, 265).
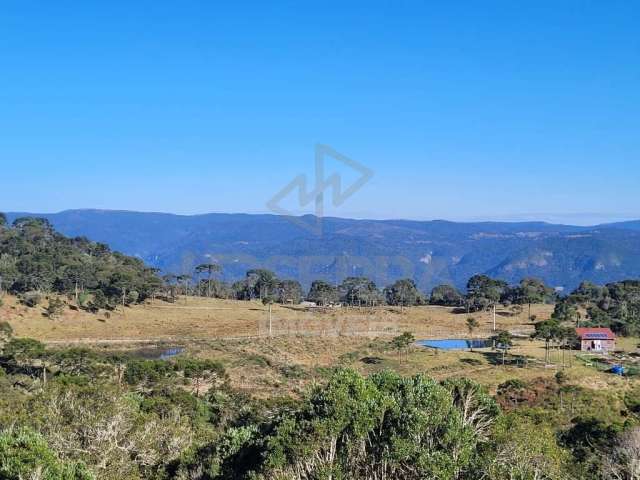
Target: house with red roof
(596, 340)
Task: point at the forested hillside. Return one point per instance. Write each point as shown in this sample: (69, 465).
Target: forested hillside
(35, 260)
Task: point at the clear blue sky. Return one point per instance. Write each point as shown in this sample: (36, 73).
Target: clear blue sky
(463, 110)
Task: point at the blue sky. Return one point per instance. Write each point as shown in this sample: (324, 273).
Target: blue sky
(463, 110)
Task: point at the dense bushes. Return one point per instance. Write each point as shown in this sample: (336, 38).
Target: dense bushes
(128, 418)
(26, 454)
(385, 426)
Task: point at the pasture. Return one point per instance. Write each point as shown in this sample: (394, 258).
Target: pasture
(197, 318)
(305, 343)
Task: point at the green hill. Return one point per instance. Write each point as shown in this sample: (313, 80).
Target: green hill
(35, 259)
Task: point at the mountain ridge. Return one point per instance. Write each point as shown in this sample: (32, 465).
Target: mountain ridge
(430, 252)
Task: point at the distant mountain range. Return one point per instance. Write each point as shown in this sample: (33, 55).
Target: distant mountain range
(431, 252)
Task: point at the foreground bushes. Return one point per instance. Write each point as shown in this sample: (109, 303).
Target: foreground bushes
(128, 418)
(385, 427)
(26, 454)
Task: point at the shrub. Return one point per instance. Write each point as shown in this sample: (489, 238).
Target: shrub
(55, 308)
(147, 371)
(561, 377)
(25, 454)
(511, 385)
(31, 299)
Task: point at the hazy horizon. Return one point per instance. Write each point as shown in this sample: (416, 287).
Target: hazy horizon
(588, 219)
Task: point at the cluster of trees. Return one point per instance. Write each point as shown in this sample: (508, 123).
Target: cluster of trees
(483, 292)
(615, 305)
(555, 334)
(35, 260)
(261, 284)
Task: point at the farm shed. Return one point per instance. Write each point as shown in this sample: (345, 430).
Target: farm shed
(598, 340)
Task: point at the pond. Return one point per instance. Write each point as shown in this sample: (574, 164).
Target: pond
(455, 343)
(156, 353)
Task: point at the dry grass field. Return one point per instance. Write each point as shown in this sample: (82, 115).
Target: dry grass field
(304, 344)
(204, 319)
(289, 364)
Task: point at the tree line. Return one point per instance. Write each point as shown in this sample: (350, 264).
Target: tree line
(482, 291)
(615, 305)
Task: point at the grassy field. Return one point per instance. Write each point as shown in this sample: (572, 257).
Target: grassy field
(304, 344)
(289, 364)
(203, 319)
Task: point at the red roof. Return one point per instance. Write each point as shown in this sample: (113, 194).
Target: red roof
(595, 334)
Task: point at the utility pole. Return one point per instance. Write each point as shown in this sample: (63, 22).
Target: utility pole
(494, 317)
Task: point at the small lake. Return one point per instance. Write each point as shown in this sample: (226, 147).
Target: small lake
(455, 343)
(156, 353)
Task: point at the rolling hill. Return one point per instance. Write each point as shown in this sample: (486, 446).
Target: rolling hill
(431, 252)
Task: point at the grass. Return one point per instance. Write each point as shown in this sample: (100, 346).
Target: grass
(307, 344)
(201, 318)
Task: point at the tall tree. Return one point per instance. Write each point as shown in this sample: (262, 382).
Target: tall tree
(403, 293)
(323, 293)
(484, 292)
(503, 342)
(533, 290)
(566, 312)
(359, 291)
(550, 331)
(261, 282)
(210, 268)
(288, 291)
(446, 296)
(185, 280)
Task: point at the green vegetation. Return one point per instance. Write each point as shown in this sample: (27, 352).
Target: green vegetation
(24, 454)
(403, 293)
(401, 343)
(616, 305)
(80, 413)
(503, 342)
(323, 293)
(446, 296)
(36, 261)
(554, 333)
(110, 416)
